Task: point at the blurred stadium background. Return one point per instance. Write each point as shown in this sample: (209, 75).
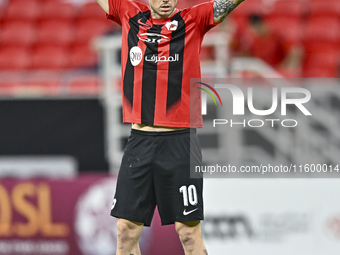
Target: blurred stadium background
(61, 136)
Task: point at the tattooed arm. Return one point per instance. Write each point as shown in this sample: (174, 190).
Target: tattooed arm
(222, 8)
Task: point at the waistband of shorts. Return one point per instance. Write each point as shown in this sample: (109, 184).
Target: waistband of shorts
(164, 133)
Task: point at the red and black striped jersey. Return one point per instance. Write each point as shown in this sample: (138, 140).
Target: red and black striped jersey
(159, 57)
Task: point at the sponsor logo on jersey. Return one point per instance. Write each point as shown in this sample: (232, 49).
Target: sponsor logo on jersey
(136, 55)
(152, 37)
(172, 25)
(143, 24)
(156, 58)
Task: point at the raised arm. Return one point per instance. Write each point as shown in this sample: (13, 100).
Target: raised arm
(222, 8)
(104, 4)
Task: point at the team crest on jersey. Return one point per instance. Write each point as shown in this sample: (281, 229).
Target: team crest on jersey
(136, 55)
(172, 25)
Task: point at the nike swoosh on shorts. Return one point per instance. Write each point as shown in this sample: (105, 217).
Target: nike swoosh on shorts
(186, 213)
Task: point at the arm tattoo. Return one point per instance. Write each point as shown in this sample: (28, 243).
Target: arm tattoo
(205, 252)
(222, 8)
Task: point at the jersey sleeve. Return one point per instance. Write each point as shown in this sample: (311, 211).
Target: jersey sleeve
(123, 9)
(115, 11)
(204, 15)
(119, 8)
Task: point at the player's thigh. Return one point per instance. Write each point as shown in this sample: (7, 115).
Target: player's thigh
(134, 198)
(179, 197)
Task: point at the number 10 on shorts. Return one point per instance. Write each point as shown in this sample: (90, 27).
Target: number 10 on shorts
(189, 195)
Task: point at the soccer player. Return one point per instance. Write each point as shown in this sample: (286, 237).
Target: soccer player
(160, 53)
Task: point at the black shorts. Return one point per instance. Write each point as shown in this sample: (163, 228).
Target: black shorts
(155, 170)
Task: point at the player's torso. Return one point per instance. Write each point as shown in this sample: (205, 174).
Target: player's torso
(158, 44)
(158, 59)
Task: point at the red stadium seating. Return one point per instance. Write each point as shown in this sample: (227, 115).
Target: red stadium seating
(82, 56)
(312, 47)
(290, 29)
(2, 11)
(325, 62)
(18, 34)
(288, 8)
(60, 33)
(322, 31)
(14, 58)
(85, 84)
(320, 72)
(328, 1)
(241, 14)
(92, 10)
(50, 57)
(89, 28)
(47, 82)
(331, 9)
(184, 4)
(56, 33)
(58, 10)
(207, 53)
(249, 7)
(23, 10)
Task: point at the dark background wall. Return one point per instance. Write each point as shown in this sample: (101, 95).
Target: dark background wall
(72, 127)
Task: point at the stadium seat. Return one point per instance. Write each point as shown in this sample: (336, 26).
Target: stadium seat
(290, 29)
(89, 28)
(250, 7)
(194, 2)
(2, 11)
(207, 53)
(288, 8)
(14, 58)
(42, 81)
(241, 22)
(57, 10)
(18, 34)
(7, 88)
(84, 84)
(328, 59)
(320, 9)
(320, 72)
(322, 63)
(50, 57)
(328, 1)
(82, 56)
(56, 33)
(23, 10)
(319, 47)
(91, 10)
(322, 30)
(241, 14)
(184, 4)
